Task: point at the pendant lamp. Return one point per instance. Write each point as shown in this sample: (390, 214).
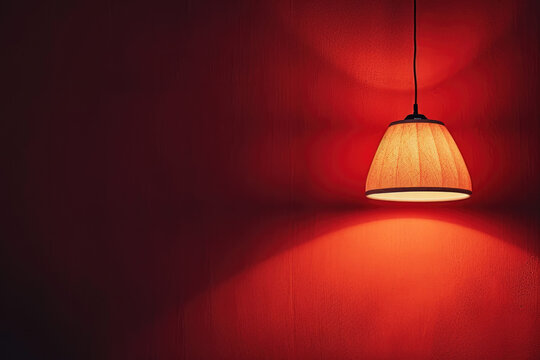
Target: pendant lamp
(417, 159)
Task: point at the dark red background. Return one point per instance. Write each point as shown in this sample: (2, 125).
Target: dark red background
(184, 180)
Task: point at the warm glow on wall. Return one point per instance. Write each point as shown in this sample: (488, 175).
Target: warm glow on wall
(418, 160)
(363, 288)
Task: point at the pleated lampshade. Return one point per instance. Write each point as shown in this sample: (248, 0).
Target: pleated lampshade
(418, 160)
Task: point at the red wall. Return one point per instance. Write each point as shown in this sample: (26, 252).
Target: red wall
(185, 181)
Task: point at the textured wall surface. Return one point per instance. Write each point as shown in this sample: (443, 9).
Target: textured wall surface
(185, 179)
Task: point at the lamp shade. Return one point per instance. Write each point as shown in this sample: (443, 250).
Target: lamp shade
(418, 160)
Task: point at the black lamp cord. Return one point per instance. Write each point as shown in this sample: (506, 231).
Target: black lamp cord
(415, 114)
(415, 107)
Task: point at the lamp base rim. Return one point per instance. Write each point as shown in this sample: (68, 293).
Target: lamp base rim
(419, 194)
